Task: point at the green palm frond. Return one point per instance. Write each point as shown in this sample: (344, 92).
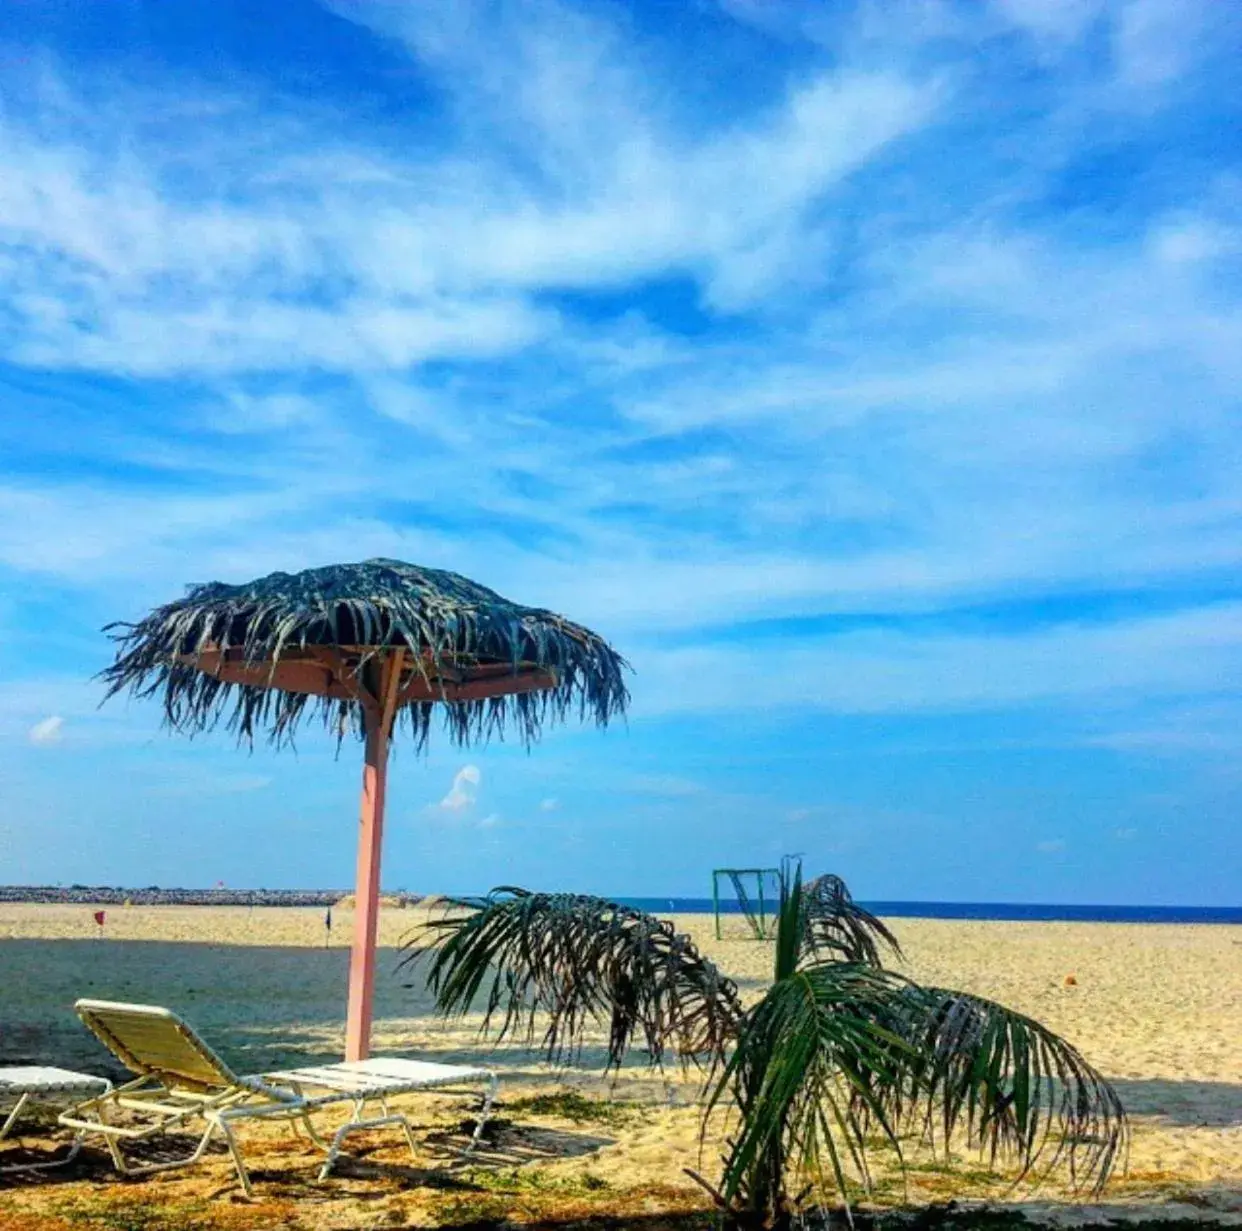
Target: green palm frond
(1008, 1085)
(832, 1055)
(446, 622)
(812, 1078)
(569, 961)
(836, 927)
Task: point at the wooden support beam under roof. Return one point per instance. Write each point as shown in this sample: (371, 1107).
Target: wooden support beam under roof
(329, 673)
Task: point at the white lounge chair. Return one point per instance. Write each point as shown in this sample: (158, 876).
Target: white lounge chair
(180, 1080)
(23, 1085)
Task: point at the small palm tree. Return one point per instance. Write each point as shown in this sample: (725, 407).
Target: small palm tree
(837, 1054)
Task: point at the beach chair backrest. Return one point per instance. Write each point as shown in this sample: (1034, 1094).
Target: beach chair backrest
(155, 1042)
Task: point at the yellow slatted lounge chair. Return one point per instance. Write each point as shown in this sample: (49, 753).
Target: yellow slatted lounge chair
(180, 1080)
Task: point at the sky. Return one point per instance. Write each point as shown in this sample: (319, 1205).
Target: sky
(867, 374)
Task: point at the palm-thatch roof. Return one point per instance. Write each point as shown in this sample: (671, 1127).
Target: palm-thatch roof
(263, 654)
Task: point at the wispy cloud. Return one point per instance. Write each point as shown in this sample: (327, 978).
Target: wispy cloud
(934, 357)
(47, 730)
(879, 670)
(887, 369)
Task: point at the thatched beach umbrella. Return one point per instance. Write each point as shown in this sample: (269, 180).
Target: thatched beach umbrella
(367, 648)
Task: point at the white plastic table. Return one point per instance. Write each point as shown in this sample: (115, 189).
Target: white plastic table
(377, 1080)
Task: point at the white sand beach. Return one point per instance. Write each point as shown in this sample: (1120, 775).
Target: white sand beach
(1156, 1007)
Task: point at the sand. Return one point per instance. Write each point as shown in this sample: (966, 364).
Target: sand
(1158, 1008)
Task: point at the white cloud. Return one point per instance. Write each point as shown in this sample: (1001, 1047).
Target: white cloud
(549, 805)
(295, 252)
(47, 731)
(1125, 834)
(464, 791)
(887, 670)
(1056, 21)
(1049, 365)
(1205, 727)
(1156, 40)
(977, 412)
(490, 821)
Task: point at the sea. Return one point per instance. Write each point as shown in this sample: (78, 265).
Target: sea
(1006, 911)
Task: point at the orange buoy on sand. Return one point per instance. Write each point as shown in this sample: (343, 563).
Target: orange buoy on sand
(1071, 981)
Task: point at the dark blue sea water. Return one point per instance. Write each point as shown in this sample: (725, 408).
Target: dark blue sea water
(983, 910)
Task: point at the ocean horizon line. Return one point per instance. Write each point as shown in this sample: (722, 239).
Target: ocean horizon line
(998, 912)
(1033, 912)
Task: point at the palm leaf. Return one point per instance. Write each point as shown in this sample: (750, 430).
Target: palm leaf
(569, 961)
(812, 1076)
(1008, 1085)
(836, 927)
(833, 1053)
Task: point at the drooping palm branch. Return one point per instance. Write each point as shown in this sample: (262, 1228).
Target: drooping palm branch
(568, 961)
(836, 927)
(814, 1067)
(833, 1053)
(1007, 1083)
(448, 625)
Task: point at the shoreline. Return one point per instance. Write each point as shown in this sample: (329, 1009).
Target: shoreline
(984, 912)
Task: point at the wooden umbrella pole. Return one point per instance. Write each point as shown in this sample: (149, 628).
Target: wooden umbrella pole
(378, 717)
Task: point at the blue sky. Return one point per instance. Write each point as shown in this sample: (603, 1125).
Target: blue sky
(868, 375)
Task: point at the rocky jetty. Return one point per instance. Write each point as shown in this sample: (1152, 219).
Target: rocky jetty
(153, 895)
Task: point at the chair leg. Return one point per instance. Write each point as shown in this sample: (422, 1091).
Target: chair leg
(489, 1097)
(356, 1124)
(124, 1167)
(334, 1149)
(239, 1163)
(313, 1133)
(12, 1116)
(114, 1148)
(75, 1146)
(409, 1135)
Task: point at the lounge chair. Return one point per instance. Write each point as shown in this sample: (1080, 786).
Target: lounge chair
(23, 1085)
(180, 1081)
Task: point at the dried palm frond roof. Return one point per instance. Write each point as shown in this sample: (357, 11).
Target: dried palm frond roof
(260, 654)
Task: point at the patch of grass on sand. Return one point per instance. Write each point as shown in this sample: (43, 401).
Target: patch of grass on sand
(952, 1175)
(133, 1214)
(532, 1180)
(126, 1212)
(573, 1106)
(522, 1197)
